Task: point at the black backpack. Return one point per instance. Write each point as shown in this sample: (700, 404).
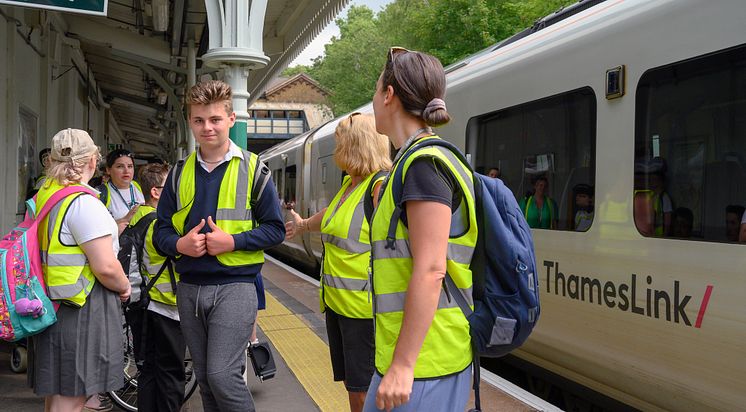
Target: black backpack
(131, 243)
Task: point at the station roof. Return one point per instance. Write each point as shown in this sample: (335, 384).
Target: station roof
(137, 56)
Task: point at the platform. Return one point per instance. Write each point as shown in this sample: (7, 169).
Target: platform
(295, 328)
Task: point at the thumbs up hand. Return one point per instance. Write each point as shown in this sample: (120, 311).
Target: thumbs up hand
(193, 243)
(218, 241)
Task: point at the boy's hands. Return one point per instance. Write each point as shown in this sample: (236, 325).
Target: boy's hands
(218, 241)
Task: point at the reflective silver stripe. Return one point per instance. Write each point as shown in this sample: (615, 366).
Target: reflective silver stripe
(164, 287)
(456, 253)
(401, 251)
(233, 214)
(242, 183)
(176, 180)
(68, 291)
(152, 269)
(60, 259)
(394, 302)
(352, 246)
(345, 283)
(356, 224)
(459, 253)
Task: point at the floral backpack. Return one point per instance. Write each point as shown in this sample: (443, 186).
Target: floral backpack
(25, 309)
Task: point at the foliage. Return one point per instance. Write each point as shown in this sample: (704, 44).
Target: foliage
(447, 29)
(292, 71)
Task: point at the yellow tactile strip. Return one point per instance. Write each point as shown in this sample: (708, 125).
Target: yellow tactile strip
(305, 353)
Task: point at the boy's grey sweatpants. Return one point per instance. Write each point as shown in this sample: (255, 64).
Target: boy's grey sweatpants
(216, 321)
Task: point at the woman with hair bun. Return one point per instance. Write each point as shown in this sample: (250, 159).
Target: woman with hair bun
(423, 347)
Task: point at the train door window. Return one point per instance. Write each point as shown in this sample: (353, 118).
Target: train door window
(289, 184)
(690, 148)
(277, 178)
(547, 147)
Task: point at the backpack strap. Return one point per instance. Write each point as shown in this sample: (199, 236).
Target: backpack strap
(57, 197)
(396, 180)
(176, 175)
(141, 227)
(167, 264)
(261, 178)
(368, 199)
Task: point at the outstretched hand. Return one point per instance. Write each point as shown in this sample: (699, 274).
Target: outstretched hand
(293, 227)
(217, 240)
(193, 243)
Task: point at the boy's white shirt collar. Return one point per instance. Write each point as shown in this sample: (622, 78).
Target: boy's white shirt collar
(233, 151)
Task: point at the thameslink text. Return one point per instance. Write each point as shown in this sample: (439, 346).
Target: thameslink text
(625, 296)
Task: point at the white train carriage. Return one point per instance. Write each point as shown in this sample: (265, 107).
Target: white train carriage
(656, 322)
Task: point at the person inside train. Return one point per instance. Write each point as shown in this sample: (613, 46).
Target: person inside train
(494, 172)
(419, 368)
(583, 207)
(733, 216)
(218, 233)
(682, 223)
(361, 152)
(650, 181)
(121, 194)
(81, 354)
(539, 208)
(742, 233)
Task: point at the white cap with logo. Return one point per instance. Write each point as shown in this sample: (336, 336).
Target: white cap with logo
(72, 144)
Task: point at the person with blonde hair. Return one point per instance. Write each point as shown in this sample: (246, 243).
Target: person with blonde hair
(361, 152)
(81, 354)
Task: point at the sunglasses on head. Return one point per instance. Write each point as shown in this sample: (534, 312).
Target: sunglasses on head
(352, 115)
(393, 51)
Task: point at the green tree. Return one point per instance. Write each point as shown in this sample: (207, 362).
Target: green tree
(292, 71)
(447, 29)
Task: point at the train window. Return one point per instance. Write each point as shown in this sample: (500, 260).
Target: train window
(289, 184)
(690, 148)
(544, 151)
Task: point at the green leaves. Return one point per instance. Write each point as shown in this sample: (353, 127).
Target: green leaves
(447, 29)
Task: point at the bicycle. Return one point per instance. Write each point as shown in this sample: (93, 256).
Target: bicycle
(126, 397)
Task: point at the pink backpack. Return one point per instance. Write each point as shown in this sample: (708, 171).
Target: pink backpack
(25, 309)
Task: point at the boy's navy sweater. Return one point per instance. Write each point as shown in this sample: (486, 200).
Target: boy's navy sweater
(206, 270)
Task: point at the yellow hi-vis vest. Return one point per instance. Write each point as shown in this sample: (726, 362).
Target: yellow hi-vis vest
(162, 291)
(108, 188)
(234, 214)
(447, 346)
(66, 271)
(346, 237)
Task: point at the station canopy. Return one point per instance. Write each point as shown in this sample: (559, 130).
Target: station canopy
(138, 56)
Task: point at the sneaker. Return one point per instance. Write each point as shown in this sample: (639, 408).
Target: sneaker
(98, 403)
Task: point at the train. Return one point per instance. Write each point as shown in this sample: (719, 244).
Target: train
(654, 322)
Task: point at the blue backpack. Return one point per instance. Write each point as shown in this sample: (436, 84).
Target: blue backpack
(505, 284)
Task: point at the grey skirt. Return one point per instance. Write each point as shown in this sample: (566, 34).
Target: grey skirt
(82, 353)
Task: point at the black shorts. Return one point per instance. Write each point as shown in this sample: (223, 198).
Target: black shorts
(352, 349)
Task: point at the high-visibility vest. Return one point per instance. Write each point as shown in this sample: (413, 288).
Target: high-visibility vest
(66, 270)
(234, 214)
(162, 291)
(656, 200)
(346, 236)
(447, 346)
(107, 191)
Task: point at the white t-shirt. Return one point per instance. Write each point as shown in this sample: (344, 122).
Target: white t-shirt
(743, 218)
(666, 203)
(122, 199)
(88, 219)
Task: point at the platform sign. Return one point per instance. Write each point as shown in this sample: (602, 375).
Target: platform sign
(95, 7)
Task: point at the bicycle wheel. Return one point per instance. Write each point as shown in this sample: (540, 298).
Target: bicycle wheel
(126, 397)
